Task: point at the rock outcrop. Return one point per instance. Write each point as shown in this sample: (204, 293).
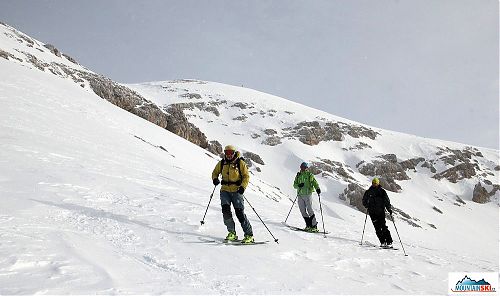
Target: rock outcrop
(179, 125)
(253, 156)
(353, 193)
(53, 50)
(462, 171)
(327, 167)
(388, 170)
(215, 147)
(480, 194)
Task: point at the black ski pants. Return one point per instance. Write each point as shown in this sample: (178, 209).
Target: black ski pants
(383, 234)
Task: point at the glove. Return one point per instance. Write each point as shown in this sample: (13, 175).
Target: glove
(318, 191)
(390, 211)
(216, 181)
(301, 185)
(241, 190)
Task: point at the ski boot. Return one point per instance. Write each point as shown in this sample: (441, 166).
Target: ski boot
(248, 239)
(313, 229)
(231, 236)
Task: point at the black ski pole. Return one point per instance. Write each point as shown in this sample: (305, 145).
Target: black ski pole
(366, 216)
(211, 195)
(275, 239)
(398, 234)
(291, 208)
(321, 210)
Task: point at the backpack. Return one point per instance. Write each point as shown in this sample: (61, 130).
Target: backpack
(223, 162)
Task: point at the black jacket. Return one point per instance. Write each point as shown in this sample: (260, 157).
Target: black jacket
(376, 200)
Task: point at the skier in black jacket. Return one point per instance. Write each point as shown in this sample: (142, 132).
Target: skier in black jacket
(376, 201)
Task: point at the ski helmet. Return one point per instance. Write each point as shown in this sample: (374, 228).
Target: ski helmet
(229, 151)
(375, 181)
(304, 165)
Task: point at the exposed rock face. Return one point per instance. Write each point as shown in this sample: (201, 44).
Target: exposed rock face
(272, 141)
(459, 172)
(460, 201)
(53, 49)
(411, 163)
(429, 165)
(407, 218)
(312, 132)
(241, 118)
(495, 189)
(390, 184)
(254, 157)
(4, 54)
(333, 132)
(461, 160)
(270, 132)
(35, 62)
(179, 125)
(70, 59)
(354, 194)
(8, 55)
(452, 156)
(191, 96)
(359, 146)
(240, 105)
(388, 169)
(332, 167)
(437, 210)
(215, 147)
(200, 106)
(173, 119)
(480, 194)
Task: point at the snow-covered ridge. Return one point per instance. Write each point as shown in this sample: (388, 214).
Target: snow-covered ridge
(22, 49)
(345, 151)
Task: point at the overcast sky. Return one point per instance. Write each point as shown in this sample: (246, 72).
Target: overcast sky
(424, 67)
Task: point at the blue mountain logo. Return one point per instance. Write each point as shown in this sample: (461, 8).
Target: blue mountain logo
(469, 285)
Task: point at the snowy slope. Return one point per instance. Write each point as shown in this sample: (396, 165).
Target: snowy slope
(244, 118)
(97, 200)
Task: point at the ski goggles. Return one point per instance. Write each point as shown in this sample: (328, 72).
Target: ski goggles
(229, 153)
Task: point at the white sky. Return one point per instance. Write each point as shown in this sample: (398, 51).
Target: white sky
(425, 67)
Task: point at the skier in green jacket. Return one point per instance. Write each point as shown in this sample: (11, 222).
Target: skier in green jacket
(305, 183)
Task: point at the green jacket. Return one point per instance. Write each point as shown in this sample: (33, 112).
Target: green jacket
(310, 183)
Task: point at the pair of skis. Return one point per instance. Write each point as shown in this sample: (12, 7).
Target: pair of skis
(303, 230)
(237, 242)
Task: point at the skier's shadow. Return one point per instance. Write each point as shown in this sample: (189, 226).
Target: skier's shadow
(285, 228)
(90, 212)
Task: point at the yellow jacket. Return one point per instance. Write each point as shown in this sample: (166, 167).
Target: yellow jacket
(233, 172)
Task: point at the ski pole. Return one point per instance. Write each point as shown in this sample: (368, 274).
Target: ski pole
(321, 210)
(211, 195)
(398, 234)
(275, 239)
(363, 229)
(291, 208)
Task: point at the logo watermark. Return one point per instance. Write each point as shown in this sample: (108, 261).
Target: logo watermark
(473, 283)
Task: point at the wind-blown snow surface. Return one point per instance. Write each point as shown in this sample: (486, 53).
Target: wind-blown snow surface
(97, 200)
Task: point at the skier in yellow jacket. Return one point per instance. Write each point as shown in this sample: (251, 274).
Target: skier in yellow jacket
(235, 179)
